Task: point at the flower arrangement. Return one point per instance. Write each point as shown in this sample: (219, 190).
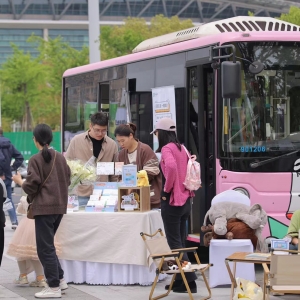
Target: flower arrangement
(81, 174)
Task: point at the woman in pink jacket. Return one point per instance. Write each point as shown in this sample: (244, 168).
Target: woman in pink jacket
(175, 198)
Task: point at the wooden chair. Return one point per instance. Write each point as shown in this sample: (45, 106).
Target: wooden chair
(284, 273)
(160, 252)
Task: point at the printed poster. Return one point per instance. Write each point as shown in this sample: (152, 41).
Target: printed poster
(129, 175)
(163, 105)
(105, 168)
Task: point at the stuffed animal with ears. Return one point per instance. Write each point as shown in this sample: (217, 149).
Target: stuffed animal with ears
(236, 229)
(254, 216)
(142, 178)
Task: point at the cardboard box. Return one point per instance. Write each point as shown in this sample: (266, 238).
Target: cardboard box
(127, 204)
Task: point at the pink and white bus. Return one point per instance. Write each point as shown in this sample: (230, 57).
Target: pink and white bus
(247, 142)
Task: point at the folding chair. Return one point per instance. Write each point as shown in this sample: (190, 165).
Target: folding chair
(284, 273)
(160, 252)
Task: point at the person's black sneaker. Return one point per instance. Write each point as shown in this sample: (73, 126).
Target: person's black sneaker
(176, 283)
(182, 288)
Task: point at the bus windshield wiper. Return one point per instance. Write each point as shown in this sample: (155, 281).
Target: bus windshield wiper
(261, 163)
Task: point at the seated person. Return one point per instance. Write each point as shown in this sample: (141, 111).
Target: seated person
(293, 230)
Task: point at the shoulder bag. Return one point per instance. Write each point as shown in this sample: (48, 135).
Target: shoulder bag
(29, 210)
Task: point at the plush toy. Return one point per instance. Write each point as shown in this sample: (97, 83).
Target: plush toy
(236, 229)
(172, 265)
(255, 217)
(142, 178)
(130, 201)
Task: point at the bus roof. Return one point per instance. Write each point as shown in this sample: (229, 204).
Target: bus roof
(232, 29)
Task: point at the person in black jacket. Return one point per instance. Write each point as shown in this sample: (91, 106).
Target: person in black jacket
(7, 153)
(3, 196)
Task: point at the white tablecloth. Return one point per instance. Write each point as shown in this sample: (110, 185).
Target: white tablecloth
(106, 248)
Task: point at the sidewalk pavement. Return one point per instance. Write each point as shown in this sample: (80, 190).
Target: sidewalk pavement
(9, 271)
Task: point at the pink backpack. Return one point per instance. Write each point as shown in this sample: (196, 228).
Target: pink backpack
(192, 180)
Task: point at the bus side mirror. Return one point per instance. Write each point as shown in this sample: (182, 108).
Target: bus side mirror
(231, 79)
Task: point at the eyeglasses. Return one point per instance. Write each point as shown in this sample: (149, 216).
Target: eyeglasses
(155, 132)
(102, 131)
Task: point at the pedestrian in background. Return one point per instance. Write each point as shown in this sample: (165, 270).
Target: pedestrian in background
(46, 186)
(3, 195)
(7, 153)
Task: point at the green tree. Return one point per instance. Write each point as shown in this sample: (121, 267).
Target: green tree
(293, 16)
(58, 56)
(23, 86)
(121, 40)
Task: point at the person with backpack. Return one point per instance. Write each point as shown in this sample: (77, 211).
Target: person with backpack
(175, 196)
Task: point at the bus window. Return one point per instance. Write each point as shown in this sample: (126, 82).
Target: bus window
(141, 115)
(72, 106)
(103, 97)
(80, 103)
(118, 102)
(264, 122)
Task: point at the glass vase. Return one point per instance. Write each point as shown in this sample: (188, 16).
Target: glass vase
(73, 203)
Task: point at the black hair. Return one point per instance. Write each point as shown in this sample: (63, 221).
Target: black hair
(43, 135)
(100, 119)
(125, 130)
(165, 137)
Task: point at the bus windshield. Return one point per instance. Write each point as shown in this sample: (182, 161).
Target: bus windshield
(265, 121)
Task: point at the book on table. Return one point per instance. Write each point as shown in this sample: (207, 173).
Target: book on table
(258, 256)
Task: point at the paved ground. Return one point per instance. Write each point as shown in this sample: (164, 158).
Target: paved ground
(9, 271)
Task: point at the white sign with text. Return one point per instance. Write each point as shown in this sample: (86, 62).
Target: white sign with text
(163, 105)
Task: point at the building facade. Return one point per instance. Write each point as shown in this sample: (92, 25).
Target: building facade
(19, 19)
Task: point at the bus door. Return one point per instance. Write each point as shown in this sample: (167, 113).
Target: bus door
(201, 139)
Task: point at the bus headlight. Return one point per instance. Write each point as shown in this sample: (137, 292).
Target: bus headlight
(243, 191)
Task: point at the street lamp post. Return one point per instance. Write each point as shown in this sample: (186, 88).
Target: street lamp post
(94, 30)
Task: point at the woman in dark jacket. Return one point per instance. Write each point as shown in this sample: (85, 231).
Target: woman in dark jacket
(47, 188)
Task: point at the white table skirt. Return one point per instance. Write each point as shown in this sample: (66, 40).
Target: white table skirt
(221, 249)
(92, 243)
(107, 274)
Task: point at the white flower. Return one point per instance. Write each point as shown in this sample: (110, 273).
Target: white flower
(80, 173)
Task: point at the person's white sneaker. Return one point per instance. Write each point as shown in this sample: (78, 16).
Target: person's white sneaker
(63, 285)
(38, 283)
(21, 280)
(14, 226)
(48, 293)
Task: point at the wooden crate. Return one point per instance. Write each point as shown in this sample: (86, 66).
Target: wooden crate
(144, 197)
